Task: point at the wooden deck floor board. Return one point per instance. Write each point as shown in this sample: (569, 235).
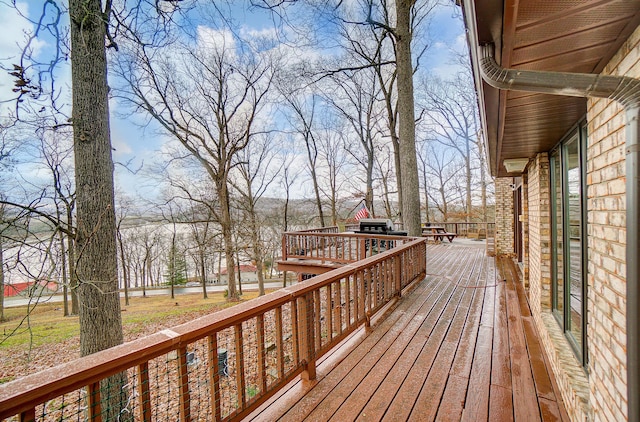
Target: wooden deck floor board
(460, 346)
(369, 350)
(425, 388)
(355, 398)
(417, 355)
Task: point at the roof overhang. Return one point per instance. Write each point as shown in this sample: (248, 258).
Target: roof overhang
(577, 36)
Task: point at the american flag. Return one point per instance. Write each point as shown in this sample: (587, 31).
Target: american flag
(363, 212)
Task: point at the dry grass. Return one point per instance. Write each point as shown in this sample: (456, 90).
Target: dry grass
(44, 337)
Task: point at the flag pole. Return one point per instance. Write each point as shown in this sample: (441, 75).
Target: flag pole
(354, 208)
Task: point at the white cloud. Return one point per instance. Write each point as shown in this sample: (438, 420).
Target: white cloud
(121, 147)
(217, 39)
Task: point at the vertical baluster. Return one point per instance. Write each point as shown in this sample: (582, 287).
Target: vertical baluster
(143, 391)
(389, 277)
(351, 242)
(368, 285)
(358, 296)
(262, 356)
(375, 280)
(338, 307)
(214, 372)
(316, 318)
(398, 274)
(183, 385)
(295, 339)
(279, 344)
(28, 415)
(385, 281)
(328, 311)
(348, 297)
(95, 406)
(240, 381)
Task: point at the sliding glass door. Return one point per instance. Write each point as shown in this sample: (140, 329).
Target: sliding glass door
(568, 241)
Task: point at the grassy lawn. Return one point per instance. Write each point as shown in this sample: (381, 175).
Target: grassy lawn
(46, 324)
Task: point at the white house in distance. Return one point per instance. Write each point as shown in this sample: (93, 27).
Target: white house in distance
(248, 274)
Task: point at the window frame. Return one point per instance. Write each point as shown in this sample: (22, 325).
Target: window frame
(558, 156)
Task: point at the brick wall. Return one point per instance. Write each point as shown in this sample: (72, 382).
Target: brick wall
(607, 242)
(525, 229)
(504, 216)
(539, 234)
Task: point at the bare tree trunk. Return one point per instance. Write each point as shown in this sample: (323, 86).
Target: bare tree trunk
(468, 182)
(125, 268)
(396, 158)
(203, 270)
(143, 278)
(239, 272)
(97, 267)
(445, 206)
(316, 188)
(368, 199)
(172, 258)
(227, 235)
(393, 132)
(426, 204)
(63, 271)
(257, 253)
(406, 114)
(483, 178)
(73, 276)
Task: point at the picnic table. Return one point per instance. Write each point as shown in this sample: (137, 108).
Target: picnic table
(437, 233)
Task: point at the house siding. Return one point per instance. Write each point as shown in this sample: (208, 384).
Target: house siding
(607, 243)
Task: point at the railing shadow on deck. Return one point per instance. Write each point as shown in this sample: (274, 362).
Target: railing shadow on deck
(221, 366)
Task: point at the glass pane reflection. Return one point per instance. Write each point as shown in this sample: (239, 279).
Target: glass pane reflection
(575, 230)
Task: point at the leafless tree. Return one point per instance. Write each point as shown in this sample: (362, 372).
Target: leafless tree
(440, 171)
(303, 117)
(334, 164)
(400, 20)
(255, 174)
(452, 121)
(203, 234)
(354, 97)
(206, 93)
(384, 170)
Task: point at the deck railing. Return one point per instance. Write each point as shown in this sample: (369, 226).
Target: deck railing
(330, 229)
(341, 248)
(222, 366)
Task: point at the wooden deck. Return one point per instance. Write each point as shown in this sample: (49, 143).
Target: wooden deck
(460, 346)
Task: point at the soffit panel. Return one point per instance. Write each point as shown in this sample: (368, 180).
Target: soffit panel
(555, 35)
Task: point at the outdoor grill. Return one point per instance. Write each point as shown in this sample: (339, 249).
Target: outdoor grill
(378, 226)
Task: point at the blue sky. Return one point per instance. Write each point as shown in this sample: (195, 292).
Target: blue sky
(137, 145)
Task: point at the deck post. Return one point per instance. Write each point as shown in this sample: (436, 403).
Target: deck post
(306, 335)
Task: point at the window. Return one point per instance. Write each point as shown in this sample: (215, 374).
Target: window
(568, 238)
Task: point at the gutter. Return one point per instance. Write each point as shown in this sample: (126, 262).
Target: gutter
(626, 91)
